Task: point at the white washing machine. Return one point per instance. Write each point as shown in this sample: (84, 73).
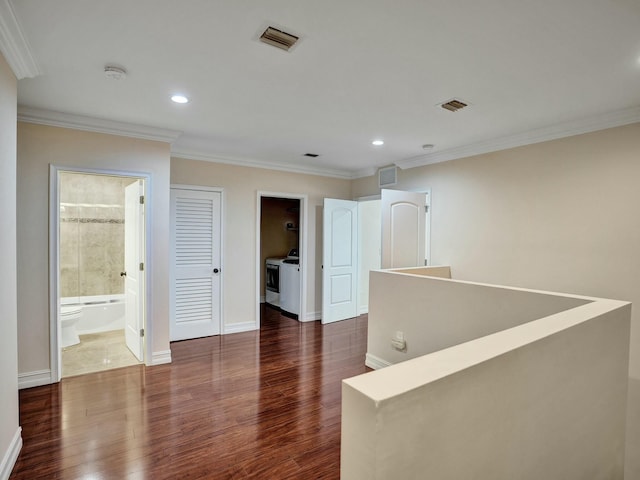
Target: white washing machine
(290, 285)
(272, 281)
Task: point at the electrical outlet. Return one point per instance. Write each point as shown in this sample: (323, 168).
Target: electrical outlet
(398, 342)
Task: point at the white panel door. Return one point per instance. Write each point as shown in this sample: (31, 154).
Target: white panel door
(195, 263)
(133, 268)
(403, 229)
(340, 260)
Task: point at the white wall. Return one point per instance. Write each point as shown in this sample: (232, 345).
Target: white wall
(10, 440)
(39, 146)
(241, 186)
(369, 242)
(561, 215)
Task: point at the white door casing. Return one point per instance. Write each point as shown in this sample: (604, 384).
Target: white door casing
(195, 263)
(403, 229)
(340, 260)
(133, 267)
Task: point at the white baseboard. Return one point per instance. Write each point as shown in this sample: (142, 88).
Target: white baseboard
(11, 455)
(363, 309)
(161, 357)
(374, 362)
(310, 316)
(34, 379)
(239, 327)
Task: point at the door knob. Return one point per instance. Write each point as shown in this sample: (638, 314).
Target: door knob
(215, 270)
(123, 274)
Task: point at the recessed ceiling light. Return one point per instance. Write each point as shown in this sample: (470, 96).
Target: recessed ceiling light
(377, 143)
(179, 98)
(428, 146)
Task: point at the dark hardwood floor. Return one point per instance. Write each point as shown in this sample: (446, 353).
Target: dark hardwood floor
(262, 404)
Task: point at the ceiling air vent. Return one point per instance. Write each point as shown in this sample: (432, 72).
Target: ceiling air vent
(312, 155)
(453, 105)
(387, 176)
(278, 38)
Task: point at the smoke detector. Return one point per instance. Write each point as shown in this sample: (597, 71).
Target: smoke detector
(115, 73)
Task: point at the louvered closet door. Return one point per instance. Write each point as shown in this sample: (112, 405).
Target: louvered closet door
(195, 262)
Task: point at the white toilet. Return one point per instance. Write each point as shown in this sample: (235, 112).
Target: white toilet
(69, 316)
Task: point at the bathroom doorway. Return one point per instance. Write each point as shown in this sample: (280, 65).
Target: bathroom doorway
(100, 275)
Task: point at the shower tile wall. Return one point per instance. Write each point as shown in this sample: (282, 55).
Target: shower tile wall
(91, 234)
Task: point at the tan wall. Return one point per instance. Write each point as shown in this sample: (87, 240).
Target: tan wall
(439, 272)
(435, 313)
(241, 185)
(9, 430)
(546, 400)
(561, 215)
(39, 146)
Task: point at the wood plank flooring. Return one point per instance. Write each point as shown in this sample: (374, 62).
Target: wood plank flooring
(262, 404)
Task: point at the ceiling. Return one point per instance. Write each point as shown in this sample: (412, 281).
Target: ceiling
(362, 70)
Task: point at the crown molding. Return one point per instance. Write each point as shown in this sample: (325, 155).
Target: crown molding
(561, 130)
(242, 162)
(14, 45)
(554, 132)
(98, 125)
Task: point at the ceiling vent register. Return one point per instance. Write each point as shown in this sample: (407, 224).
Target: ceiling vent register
(453, 105)
(278, 38)
(387, 176)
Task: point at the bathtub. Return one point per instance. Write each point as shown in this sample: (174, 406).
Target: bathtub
(100, 313)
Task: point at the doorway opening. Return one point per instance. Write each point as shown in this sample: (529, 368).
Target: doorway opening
(281, 254)
(98, 284)
(370, 241)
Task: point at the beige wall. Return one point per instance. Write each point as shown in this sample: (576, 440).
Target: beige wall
(544, 400)
(9, 430)
(436, 313)
(561, 215)
(241, 186)
(38, 147)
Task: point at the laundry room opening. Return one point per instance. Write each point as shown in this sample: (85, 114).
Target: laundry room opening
(100, 278)
(279, 254)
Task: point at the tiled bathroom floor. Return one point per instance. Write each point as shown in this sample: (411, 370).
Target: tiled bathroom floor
(97, 352)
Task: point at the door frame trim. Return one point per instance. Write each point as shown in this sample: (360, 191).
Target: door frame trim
(54, 259)
(202, 188)
(303, 242)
